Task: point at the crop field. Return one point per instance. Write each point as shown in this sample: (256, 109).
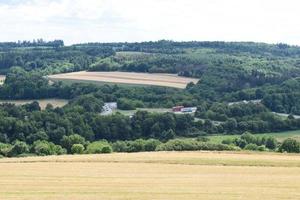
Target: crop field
(157, 175)
(42, 102)
(129, 78)
(280, 136)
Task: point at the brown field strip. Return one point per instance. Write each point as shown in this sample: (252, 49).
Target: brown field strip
(157, 175)
(168, 80)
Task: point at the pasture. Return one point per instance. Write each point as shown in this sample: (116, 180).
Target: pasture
(42, 102)
(155, 175)
(280, 136)
(127, 78)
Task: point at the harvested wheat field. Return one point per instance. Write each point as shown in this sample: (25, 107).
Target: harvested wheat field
(167, 80)
(157, 175)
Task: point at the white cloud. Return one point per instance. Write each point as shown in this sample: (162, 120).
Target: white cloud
(138, 20)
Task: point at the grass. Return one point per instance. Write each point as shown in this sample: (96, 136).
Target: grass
(127, 78)
(155, 175)
(42, 102)
(280, 136)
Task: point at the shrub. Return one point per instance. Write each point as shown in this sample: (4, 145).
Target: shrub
(261, 148)
(106, 149)
(167, 135)
(18, 148)
(120, 146)
(249, 138)
(192, 145)
(202, 139)
(240, 143)
(5, 149)
(290, 145)
(251, 147)
(40, 135)
(136, 145)
(43, 148)
(97, 147)
(68, 141)
(271, 143)
(77, 149)
(228, 141)
(151, 144)
(128, 104)
(58, 149)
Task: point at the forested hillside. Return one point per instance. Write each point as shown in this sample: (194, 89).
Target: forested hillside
(229, 73)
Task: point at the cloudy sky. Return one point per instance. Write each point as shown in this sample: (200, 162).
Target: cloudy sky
(77, 21)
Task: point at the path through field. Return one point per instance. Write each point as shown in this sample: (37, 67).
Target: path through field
(160, 175)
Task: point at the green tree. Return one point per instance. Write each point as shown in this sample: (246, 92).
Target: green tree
(151, 144)
(77, 149)
(251, 147)
(167, 135)
(68, 141)
(19, 148)
(290, 145)
(106, 149)
(43, 148)
(271, 143)
(249, 138)
(99, 147)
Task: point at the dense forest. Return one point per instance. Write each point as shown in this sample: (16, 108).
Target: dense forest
(265, 76)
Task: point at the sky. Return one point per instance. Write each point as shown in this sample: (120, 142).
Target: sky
(80, 21)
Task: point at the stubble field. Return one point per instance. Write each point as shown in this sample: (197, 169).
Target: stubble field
(129, 78)
(157, 175)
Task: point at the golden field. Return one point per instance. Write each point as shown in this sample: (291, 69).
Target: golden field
(155, 175)
(131, 78)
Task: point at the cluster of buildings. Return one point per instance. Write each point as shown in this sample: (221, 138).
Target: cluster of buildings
(182, 109)
(109, 107)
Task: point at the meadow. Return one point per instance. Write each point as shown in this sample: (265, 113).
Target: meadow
(280, 136)
(159, 175)
(131, 78)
